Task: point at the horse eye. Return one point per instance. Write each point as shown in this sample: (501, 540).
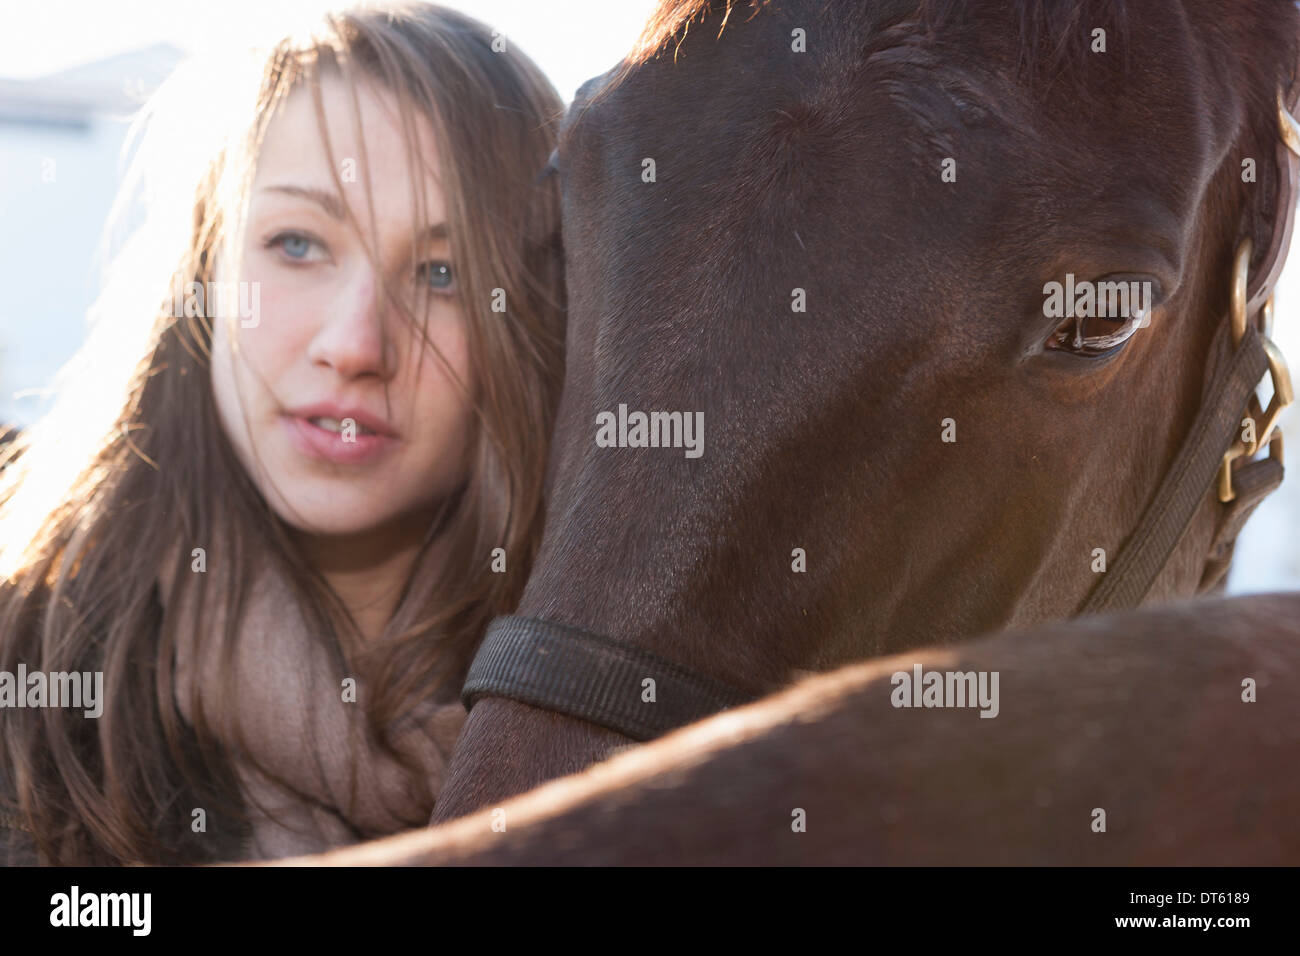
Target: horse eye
(1098, 317)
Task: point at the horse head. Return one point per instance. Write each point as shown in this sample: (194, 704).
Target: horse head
(844, 250)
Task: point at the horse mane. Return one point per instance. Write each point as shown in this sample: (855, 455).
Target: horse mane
(1046, 26)
(672, 20)
(1040, 20)
(1052, 41)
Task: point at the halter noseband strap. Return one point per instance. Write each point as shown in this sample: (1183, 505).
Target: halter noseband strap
(590, 676)
(641, 695)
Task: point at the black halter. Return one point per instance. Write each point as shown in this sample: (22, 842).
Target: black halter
(640, 695)
(587, 675)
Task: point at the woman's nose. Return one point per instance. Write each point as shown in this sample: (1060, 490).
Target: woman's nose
(352, 337)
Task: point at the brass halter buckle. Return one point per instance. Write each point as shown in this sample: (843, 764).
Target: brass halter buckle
(1266, 432)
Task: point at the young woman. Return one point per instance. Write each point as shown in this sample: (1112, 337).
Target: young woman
(276, 508)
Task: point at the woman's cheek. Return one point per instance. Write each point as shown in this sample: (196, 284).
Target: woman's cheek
(283, 330)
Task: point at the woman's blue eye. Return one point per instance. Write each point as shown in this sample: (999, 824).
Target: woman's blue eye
(437, 274)
(294, 246)
(298, 247)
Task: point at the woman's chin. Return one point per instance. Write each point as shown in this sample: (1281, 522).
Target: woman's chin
(335, 519)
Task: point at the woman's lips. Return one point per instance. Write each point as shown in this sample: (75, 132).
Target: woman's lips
(321, 444)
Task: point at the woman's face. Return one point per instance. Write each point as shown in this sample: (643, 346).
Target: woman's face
(302, 395)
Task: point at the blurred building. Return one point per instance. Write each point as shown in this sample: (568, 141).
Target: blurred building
(60, 139)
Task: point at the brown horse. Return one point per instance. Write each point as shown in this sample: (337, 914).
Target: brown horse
(1139, 716)
(827, 230)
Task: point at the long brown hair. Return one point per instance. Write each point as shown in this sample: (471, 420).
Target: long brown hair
(88, 504)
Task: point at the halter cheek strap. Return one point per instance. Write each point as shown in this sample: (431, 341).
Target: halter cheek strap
(641, 695)
(1216, 452)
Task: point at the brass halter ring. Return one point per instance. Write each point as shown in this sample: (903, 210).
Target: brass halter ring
(1267, 434)
(1266, 430)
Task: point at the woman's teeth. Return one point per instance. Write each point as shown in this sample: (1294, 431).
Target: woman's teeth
(334, 425)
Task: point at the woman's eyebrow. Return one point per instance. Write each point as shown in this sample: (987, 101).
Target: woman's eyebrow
(327, 200)
(333, 207)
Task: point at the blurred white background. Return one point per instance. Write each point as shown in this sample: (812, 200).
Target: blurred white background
(71, 72)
